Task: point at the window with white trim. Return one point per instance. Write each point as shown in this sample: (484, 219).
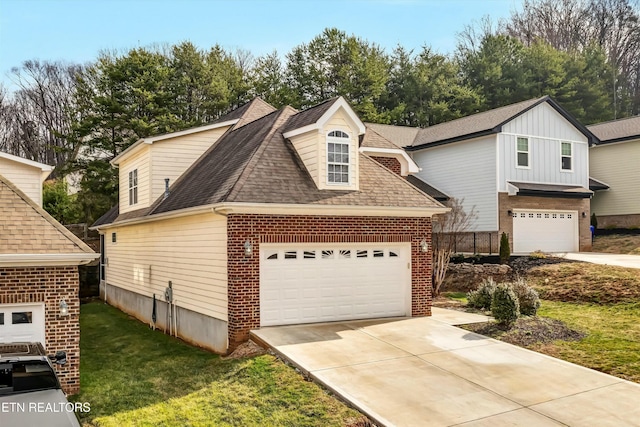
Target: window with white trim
(522, 152)
(567, 156)
(337, 157)
(133, 187)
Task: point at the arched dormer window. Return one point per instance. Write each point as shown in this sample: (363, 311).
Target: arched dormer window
(337, 157)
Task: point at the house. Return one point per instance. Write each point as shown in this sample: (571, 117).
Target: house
(39, 261)
(524, 168)
(266, 217)
(615, 162)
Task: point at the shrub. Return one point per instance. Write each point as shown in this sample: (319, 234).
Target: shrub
(594, 220)
(528, 298)
(537, 255)
(504, 305)
(505, 250)
(481, 297)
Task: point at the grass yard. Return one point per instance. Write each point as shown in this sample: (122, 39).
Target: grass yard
(617, 244)
(132, 375)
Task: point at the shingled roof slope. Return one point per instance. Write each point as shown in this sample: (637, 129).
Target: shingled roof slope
(399, 135)
(213, 176)
(617, 130)
(247, 113)
(26, 228)
(310, 115)
(373, 139)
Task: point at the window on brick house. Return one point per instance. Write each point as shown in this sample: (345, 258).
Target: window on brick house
(133, 187)
(337, 157)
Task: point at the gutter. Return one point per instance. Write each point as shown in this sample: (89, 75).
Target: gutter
(39, 260)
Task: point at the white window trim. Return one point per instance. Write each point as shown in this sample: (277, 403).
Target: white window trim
(344, 141)
(528, 153)
(133, 187)
(564, 155)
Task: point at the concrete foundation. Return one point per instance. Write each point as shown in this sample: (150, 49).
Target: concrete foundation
(195, 328)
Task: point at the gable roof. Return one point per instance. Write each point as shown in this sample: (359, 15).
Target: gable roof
(26, 230)
(400, 135)
(247, 113)
(486, 123)
(310, 115)
(44, 168)
(315, 117)
(617, 130)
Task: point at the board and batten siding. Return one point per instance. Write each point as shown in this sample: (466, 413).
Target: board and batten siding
(545, 129)
(465, 170)
(617, 165)
(140, 161)
(191, 252)
(172, 157)
(27, 178)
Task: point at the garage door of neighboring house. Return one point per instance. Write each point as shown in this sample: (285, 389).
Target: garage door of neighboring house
(548, 231)
(22, 323)
(306, 283)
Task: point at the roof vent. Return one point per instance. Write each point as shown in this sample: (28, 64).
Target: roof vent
(166, 188)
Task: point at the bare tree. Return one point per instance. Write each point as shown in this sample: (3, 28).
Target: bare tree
(446, 229)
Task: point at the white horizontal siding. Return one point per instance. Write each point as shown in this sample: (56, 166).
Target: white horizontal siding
(139, 161)
(618, 165)
(465, 170)
(172, 157)
(27, 178)
(191, 252)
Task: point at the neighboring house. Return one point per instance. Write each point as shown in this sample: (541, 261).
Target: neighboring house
(272, 217)
(615, 162)
(39, 261)
(523, 167)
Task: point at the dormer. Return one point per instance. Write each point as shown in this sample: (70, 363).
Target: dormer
(26, 175)
(326, 138)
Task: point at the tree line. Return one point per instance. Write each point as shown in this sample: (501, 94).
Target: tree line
(583, 53)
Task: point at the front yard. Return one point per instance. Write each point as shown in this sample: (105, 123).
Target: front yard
(601, 303)
(617, 244)
(132, 375)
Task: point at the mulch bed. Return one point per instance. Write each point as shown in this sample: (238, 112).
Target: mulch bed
(528, 331)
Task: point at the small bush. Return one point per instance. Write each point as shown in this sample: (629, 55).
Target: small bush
(481, 297)
(505, 250)
(594, 220)
(528, 298)
(504, 305)
(537, 255)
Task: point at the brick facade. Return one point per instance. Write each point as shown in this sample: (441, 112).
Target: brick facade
(507, 203)
(244, 272)
(619, 221)
(390, 163)
(19, 285)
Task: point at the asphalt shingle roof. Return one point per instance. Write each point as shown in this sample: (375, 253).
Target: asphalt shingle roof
(26, 228)
(400, 135)
(309, 116)
(374, 140)
(617, 130)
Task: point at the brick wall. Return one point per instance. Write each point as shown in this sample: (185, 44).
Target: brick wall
(244, 272)
(50, 285)
(506, 203)
(390, 163)
(619, 221)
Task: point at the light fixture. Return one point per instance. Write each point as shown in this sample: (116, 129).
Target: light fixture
(584, 214)
(248, 248)
(424, 246)
(510, 212)
(64, 308)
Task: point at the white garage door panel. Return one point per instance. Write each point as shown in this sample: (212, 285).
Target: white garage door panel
(548, 231)
(22, 323)
(306, 283)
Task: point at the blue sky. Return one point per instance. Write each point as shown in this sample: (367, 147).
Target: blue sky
(77, 30)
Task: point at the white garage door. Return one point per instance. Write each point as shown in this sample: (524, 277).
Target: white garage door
(306, 283)
(22, 323)
(548, 231)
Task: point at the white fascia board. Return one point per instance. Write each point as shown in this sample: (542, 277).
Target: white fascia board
(44, 168)
(319, 124)
(408, 166)
(42, 260)
(150, 140)
(341, 103)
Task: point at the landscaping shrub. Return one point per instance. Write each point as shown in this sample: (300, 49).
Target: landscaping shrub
(505, 250)
(504, 305)
(528, 298)
(481, 297)
(594, 220)
(537, 255)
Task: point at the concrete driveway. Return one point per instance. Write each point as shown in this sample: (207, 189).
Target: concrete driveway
(426, 372)
(630, 261)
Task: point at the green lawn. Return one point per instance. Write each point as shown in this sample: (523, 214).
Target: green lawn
(612, 344)
(132, 375)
